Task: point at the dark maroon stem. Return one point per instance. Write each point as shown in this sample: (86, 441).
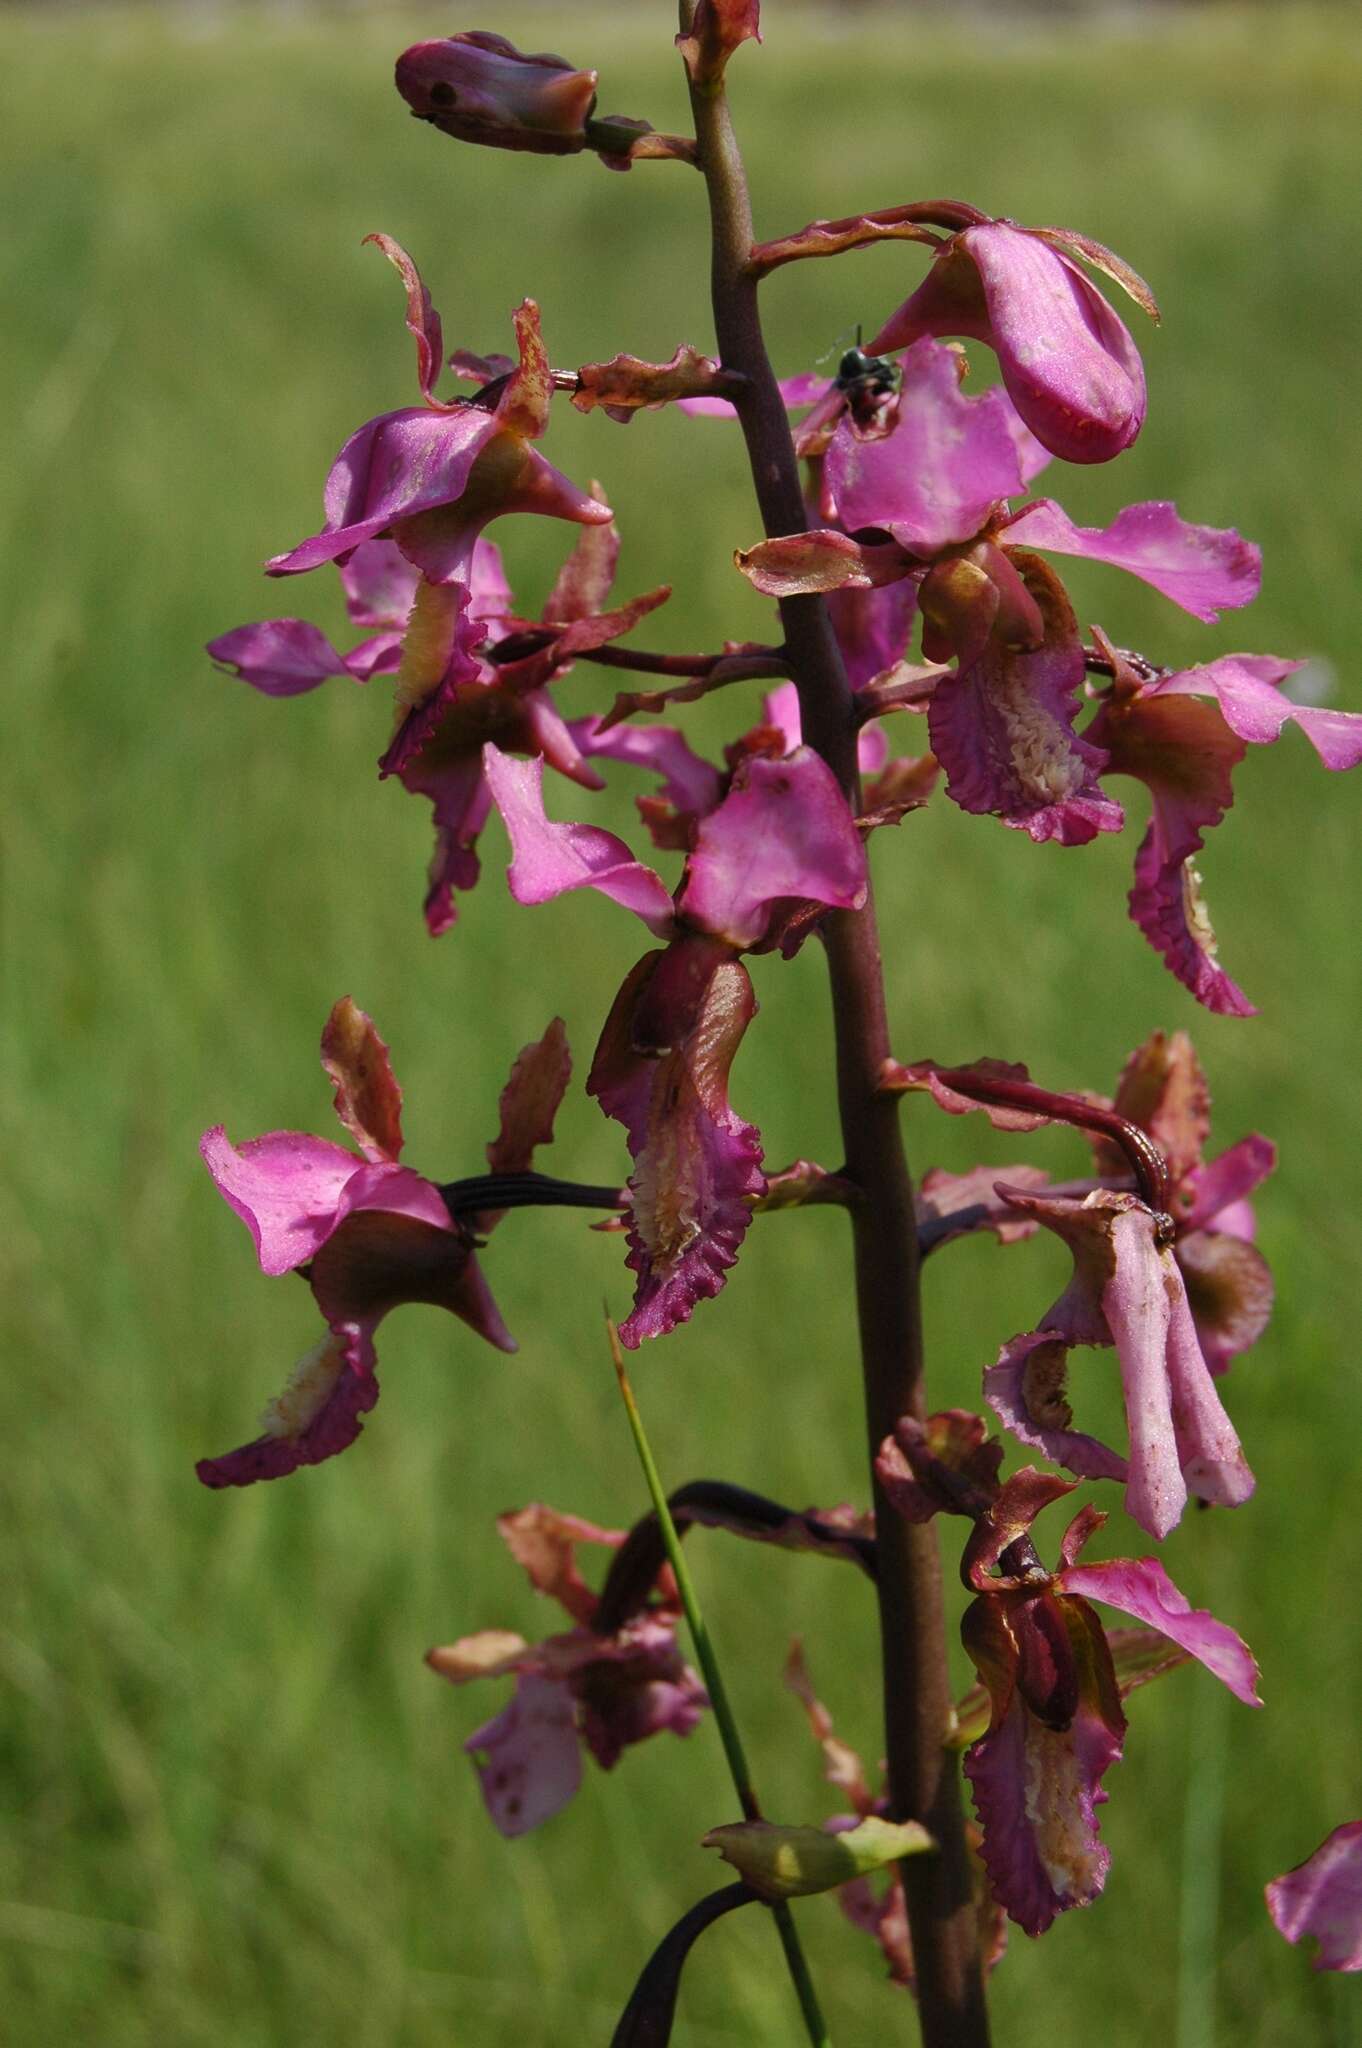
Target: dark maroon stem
(737, 667)
(923, 1778)
(1148, 1166)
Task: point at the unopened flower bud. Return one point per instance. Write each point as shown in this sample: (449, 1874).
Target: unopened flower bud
(479, 88)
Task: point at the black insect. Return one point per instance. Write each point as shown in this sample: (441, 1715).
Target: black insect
(866, 381)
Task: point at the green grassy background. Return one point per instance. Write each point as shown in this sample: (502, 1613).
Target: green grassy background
(235, 1809)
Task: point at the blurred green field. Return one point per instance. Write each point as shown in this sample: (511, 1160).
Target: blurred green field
(234, 1804)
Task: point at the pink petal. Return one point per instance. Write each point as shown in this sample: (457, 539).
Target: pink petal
(696, 1161)
(368, 1100)
(1036, 1790)
(286, 1187)
(949, 1090)
(872, 628)
(1136, 1304)
(1163, 1089)
(394, 467)
(784, 830)
(544, 1542)
(281, 657)
(528, 1759)
(395, 1242)
(1143, 1588)
(524, 405)
(1003, 730)
(549, 859)
(1247, 689)
(423, 322)
(379, 656)
(1201, 568)
(379, 584)
(1229, 1291)
(1209, 1450)
(1322, 1899)
(1184, 753)
(490, 598)
(317, 1416)
(688, 782)
(453, 780)
(529, 1102)
(973, 1195)
(1025, 1390)
(583, 584)
(1070, 367)
(780, 708)
(646, 1688)
(936, 477)
(1219, 1188)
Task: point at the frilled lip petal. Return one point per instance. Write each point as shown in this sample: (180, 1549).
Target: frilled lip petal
(316, 1417)
(784, 831)
(1204, 569)
(1069, 365)
(1036, 1791)
(453, 780)
(1184, 753)
(286, 1187)
(548, 859)
(1003, 730)
(696, 1161)
(1322, 1899)
(937, 476)
(1141, 1586)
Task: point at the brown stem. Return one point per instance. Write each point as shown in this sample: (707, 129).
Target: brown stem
(923, 1779)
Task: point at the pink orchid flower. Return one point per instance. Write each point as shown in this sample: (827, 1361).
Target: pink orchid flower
(576, 1690)
(776, 849)
(930, 496)
(366, 1232)
(433, 476)
(492, 682)
(1056, 1721)
(1183, 734)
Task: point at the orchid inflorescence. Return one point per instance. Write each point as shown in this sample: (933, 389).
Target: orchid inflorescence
(922, 553)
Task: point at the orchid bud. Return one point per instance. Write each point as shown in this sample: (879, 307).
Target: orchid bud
(1070, 367)
(793, 1862)
(478, 87)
